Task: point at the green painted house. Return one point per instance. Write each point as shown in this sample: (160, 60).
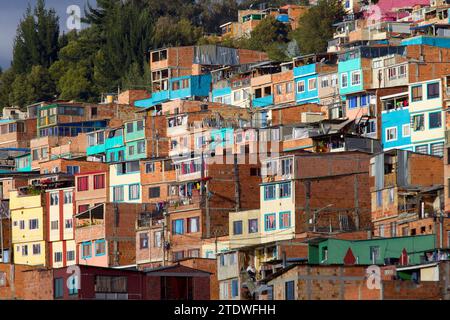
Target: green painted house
(371, 251)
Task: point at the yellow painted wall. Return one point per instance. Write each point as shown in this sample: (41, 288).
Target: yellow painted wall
(246, 238)
(26, 208)
(30, 259)
(276, 206)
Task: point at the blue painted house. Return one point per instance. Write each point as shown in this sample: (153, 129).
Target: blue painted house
(106, 145)
(396, 122)
(135, 144)
(23, 163)
(180, 88)
(305, 78)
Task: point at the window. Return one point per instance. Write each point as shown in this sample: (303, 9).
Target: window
(433, 90)
(131, 150)
(255, 172)
(289, 87)
(374, 254)
(234, 288)
(68, 197)
(58, 288)
(224, 291)
(392, 73)
(301, 86)
(36, 249)
(391, 195)
(406, 130)
(364, 100)
(154, 192)
(178, 226)
(178, 255)
(130, 128)
(269, 192)
(379, 198)
(437, 149)
(237, 227)
(157, 239)
(140, 125)
(352, 102)
(237, 95)
(393, 228)
(99, 181)
(68, 223)
(356, 78)
(252, 225)
(25, 250)
(73, 169)
(285, 190)
(324, 82)
(286, 166)
(269, 222)
(118, 193)
(150, 167)
(82, 183)
(33, 224)
(193, 225)
(285, 219)
(435, 120)
(134, 192)
(54, 225)
(140, 146)
(391, 134)
(289, 291)
(22, 224)
(419, 122)
(58, 256)
(416, 93)
(70, 255)
(100, 248)
(422, 149)
(194, 253)
(132, 166)
(54, 198)
(312, 84)
(279, 89)
(143, 241)
(402, 71)
(344, 80)
(83, 208)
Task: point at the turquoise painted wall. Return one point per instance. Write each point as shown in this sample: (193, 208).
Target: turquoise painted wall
(347, 67)
(388, 248)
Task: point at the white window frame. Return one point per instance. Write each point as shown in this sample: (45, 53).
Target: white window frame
(358, 72)
(312, 80)
(387, 135)
(342, 81)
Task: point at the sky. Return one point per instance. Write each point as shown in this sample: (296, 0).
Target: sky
(11, 12)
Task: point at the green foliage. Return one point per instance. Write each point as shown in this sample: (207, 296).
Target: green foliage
(32, 87)
(36, 42)
(271, 36)
(315, 27)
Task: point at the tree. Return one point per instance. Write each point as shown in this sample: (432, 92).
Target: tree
(316, 26)
(168, 31)
(36, 41)
(32, 87)
(6, 81)
(269, 35)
